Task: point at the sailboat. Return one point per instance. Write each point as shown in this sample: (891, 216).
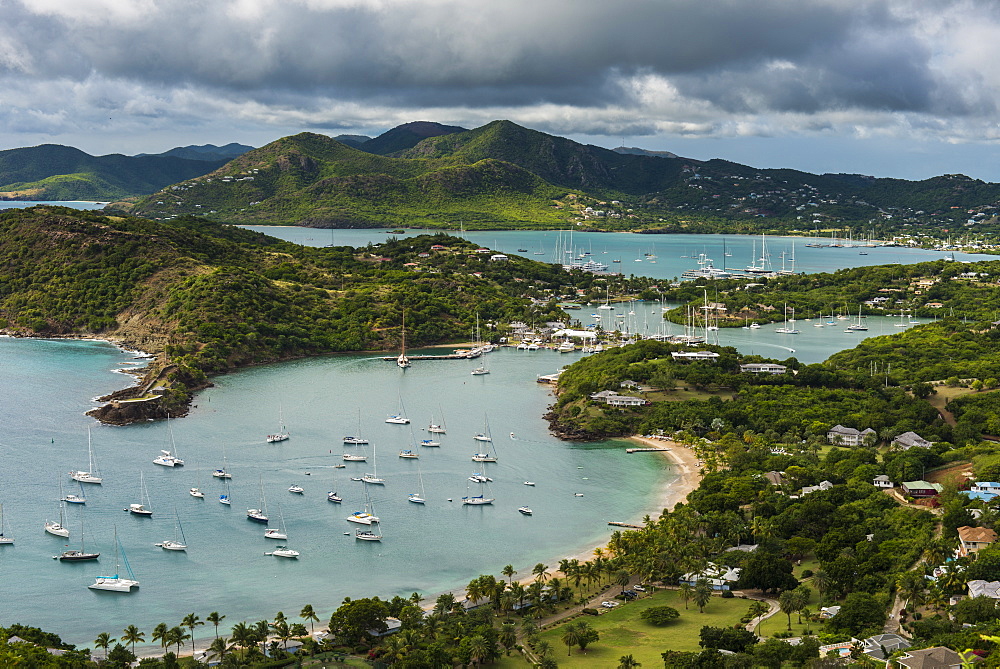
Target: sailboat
(259, 515)
(142, 508)
(365, 517)
(196, 492)
(280, 435)
(77, 555)
(175, 544)
(222, 473)
(224, 498)
(116, 583)
(857, 327)
(786, 329)
(398, 418)
(4, 539)
(607, 300)
(356, 440)
(58, 528)
(369, 534)
(434, 428)
(402, 361)
(91, 475)
(373, 477)
(168, 457)
(901, 323)
(480, 499)
(277, 533)
(414, 497)
(485, 434)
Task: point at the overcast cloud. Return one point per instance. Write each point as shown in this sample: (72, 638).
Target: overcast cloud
(146, 75)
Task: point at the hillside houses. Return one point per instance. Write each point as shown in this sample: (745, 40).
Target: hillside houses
(909, 440)
(848, 436)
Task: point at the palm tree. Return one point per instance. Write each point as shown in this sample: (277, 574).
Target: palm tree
(282, 631)
(702, 594)
(478, 649)
(160, 634)
(571, 637)
(507, 636)
(191, 621)
(622, 577)
(260, 629)
(215, 619)
(509, 572)
(540, 571)
(132, 634)
(177, 635)
(104, 640)
(787, 601)
(686, 593)
(243, 635)
(822, 581)
(628, 662)
(218, 649)
(307, 613)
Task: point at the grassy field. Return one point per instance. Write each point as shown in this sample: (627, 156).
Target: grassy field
(623, 633)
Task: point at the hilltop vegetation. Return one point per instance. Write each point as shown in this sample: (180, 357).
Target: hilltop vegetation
(502, 175)
(209, 298)
(53, 172)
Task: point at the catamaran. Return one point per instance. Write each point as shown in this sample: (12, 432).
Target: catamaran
(91, 475)
(116, 583)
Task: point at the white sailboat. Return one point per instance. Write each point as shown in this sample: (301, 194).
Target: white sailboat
(277, 532)
(224, 498)
(786, 329)
(91, 475)
(373, 477)
(222, 473)
(435, 428)
(399, 418)
(143, 507)
(370, 534)
(281, 434)
(117, 583)
(480, 499)
(402, 361)
(179, 542)
(490, 455)
(58, 528)
(5, 539)
(414, 497)
(259, 515)
(485, 435)
(356, 440)
(168, 457)
(196, 491)
(857, 327)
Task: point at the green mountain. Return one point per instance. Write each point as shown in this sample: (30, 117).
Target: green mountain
(502, 175)
(314, 180)
(205, 152)
(208, 298)
(405, 136)
(54, 172)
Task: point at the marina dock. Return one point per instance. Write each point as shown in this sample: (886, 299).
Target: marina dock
(444, 356)
(618, 523)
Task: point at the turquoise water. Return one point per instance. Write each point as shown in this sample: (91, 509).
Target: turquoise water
(441, 545)
(674, 253)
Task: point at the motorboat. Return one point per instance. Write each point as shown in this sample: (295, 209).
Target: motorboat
(196, 492)
(480, 478)
(407, 453)
(531, 483)
(284, 551)
(397, 419)
(355, 441)
(296, 489)
(167, 459)
(429, 442)
(479, 371)
(483, 457)
(367, 535)
(524, 510)
(274, 533)
(334, 497)
(355, 458)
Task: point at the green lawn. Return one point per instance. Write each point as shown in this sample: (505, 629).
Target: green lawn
(779, 621)
(623, 633)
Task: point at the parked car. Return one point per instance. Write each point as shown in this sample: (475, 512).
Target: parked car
(609, 605)
(630, 595)
(639, 588)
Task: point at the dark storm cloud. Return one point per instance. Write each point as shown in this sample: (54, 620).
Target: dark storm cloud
(483, 54)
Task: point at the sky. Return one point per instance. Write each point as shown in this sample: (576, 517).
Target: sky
(901, 88)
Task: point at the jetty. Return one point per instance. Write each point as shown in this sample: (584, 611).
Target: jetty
(647, 450)
(444, 356)
(618, 523)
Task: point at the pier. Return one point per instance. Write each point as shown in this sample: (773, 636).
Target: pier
(443, 356)
(618, 523)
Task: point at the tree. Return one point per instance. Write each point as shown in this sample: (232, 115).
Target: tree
(628, 662)
(540, 571)
(660, 615)
(215, 619)
(120, 657)
(352, 621)
(737, 640)
(160, 634)
(571, 637)
(509, 572)
(507, 636)
(622, 578)
(132, 634)
(860, 611)
(104, 640)
(307, 613)
(242, 635)
(176, 636)
(218, 649)
(766, 571)
(191, 621)
(702, 594)
(975, 610)
(686, 593)
(789, 604)
(588, 635)
(478, 649)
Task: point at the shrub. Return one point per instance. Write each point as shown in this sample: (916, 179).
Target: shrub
(590, 612)
(660, 615)
(727, 594)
